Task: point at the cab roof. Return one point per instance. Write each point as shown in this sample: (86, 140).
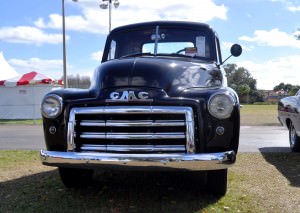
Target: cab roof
(182, 24)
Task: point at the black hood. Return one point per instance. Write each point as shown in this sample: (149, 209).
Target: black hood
(170, 74)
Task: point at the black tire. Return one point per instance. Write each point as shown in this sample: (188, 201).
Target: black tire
(76, 178)
(294, 139)
(217, 182)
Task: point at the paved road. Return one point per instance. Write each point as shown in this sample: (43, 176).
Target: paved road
(253, 139)
(28, 137)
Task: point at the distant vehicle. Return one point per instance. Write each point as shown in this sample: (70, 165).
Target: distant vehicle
(288, 115)
(159, 101)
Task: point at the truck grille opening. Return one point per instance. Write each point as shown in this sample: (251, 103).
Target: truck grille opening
(131, 129)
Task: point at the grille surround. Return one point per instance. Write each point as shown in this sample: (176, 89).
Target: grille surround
(188, 124)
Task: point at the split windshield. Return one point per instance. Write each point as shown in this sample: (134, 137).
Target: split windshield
(160, 41)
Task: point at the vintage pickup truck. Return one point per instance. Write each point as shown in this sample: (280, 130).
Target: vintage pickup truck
(159, 100)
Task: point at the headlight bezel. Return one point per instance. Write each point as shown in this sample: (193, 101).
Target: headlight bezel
(56, 110)
(213, 103)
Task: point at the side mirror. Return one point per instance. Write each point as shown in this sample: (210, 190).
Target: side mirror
(235, 50)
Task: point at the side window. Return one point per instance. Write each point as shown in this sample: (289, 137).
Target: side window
(112, 50)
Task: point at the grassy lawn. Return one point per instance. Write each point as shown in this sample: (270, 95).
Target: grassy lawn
(257, 183)
(259, 115)
(20, 121)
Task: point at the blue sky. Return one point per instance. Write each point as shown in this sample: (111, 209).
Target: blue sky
(31, 36)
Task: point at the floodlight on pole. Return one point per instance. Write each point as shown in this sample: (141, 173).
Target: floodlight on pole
(107, 4)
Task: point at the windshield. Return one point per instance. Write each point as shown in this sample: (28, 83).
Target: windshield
(160, 41)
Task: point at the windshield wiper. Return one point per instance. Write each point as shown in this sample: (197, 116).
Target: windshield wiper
(137, 54)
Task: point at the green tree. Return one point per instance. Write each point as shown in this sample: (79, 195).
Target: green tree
(241, 80)
(286, 88)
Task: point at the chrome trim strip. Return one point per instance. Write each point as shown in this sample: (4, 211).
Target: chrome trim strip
(131, 123)
(93, 123)
(190, 127)
(204, 161)
(92, 147)
(133, 148)
(130, 110)
(141, 135)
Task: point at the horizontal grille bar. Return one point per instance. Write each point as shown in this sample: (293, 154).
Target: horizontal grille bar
(131, 123)
(133, 148)
(132, 110)
(133, 136)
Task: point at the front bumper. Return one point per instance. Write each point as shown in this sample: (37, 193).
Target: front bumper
(204, 161)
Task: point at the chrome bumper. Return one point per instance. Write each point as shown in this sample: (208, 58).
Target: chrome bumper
(205, 161)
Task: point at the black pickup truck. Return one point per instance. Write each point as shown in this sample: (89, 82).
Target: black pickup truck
(159, 100)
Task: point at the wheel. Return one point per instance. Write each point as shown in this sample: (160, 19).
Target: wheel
(75, 178)
(217, 182)
(294, 139)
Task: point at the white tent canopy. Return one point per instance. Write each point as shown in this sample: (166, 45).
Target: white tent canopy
(6, 71)
(20, 98)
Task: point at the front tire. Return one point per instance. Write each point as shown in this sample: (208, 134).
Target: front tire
(294, 139)
(217, 182)
(75, 178)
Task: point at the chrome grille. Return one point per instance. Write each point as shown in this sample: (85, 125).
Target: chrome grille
(131, 129)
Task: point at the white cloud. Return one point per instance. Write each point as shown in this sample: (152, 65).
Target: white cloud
(274, 38)
(274, 71)
(294, 8)
(95, 20)
(76, 23)
(97, 56)
(290, 5)
(227, 45)
(28, 35)
(53, 67)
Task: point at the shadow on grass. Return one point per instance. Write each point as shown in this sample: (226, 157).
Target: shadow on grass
(121, 191)
(287, 163)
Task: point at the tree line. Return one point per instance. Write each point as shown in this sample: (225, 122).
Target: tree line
(79, 81)
(241, 80)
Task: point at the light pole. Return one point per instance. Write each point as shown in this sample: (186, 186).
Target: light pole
(107, 4)
(64, 44)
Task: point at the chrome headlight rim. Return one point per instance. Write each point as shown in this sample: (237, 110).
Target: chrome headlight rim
(60, 105)
(230, 105)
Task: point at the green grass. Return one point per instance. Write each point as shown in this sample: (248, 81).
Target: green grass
(20, 121)
(15, 158)
(254, 186)
(259, 115)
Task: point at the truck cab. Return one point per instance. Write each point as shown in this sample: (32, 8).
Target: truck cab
(159, 100)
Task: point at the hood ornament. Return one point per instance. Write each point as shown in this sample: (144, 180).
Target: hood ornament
(129, 96)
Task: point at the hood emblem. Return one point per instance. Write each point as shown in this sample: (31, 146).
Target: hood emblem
(128, 96)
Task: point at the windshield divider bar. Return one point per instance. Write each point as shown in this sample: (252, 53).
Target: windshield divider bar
(156, 40)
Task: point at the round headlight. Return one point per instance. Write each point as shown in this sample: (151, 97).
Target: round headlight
(52, 106)
(220, 106)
